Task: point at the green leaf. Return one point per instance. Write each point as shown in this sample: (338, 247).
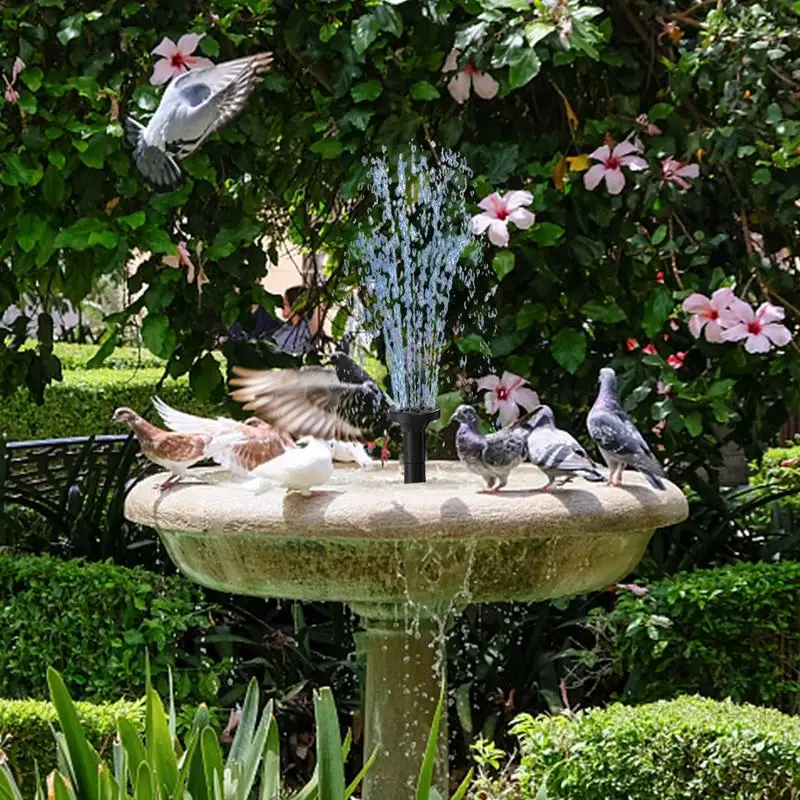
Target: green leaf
(657, 310)
(54, 188)
(133, 221)
(85, 233)
(447, 404)
(327, 148)
(56, 158)
(212, 762)
(694, 423)
(205, 378)
(368, 90)
(546, 234)
(761, 175)
(60, 790)
(145, 786)
(389, 20)
(422, 90)
(425, 780)
(607, 312)
(507, 343)
(364, 32)
(84, 760)
(660, 111)
(329, 747)
(209, 46)
(569, 349)
(361, 773)
(659, 235)
(357, 118)
(270, 788)
(29, 230)
(328, 31)
(70, 28)
(160, 753)
(32, 78)
(156, 240)
(160, 340)
(503, 263)
(522, 71)
(472, 343)
(536, 31)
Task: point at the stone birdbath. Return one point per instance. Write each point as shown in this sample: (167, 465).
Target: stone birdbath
(406, 558)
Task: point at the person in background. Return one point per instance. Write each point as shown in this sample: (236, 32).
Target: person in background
(298, 333)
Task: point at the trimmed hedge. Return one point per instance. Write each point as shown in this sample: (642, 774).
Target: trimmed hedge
(30, 740)
(82, 404)
(76, 356)
(732, 631)
(94, 622)
(686, 749)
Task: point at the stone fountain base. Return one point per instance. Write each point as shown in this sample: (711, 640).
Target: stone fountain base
(405, 558)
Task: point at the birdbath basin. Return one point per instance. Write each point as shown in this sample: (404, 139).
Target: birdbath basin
(406, 557)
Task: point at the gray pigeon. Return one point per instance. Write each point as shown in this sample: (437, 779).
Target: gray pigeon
(493, 456)
(556, 452)
(617, 438)
(193, 106)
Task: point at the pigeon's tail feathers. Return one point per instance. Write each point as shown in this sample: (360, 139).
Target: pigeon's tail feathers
(591, 475)
(158, 167)
(654, 480)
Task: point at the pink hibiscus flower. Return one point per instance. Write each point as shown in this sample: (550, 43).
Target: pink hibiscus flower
(760, 328)
(676, 360)
(679, 173)
(706, 313)
(505, 395)
(498, 211)
(467, 78)
(611, 164)
(177, 58)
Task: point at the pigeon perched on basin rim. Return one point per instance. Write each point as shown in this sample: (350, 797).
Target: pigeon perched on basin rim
(617, 438)
(309, 464)
(175, 452)
(492, 456)
(557, 453)
(193, 106)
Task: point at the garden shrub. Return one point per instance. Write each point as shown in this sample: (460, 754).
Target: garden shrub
(77, 356)
(26, 735)
(686, 749)
(95, 622)
(732, 632)
(82, 404)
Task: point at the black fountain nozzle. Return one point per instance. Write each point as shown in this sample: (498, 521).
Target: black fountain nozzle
(413, 424)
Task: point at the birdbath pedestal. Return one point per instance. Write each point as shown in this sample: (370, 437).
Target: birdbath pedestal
(406, 558)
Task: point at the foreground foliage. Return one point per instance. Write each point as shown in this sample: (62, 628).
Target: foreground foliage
(686, 749)
(726, 632)
(96, 622)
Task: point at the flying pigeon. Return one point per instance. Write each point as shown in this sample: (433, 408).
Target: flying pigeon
(493, 456)
(175, 452)
(240, 447)
(617, 438)
(193, 106)
(325, 403)
(309, 464)
(556, 452)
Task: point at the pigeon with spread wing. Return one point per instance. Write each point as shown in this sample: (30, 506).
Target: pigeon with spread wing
(240, 447)
(342, 403)
(193, 106)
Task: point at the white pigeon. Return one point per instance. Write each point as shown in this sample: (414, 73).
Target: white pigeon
(351, 451)
(193, 106)
(309, 464)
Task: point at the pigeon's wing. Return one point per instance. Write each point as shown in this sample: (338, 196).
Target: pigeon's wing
(503, 449)
(557, 450)
(206, 99)
(306, 402)
(181, 422)
(619, 436)
(347, 370)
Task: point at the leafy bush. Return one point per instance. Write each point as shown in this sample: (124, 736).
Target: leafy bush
(726, 632)
(78, 356)
(82, 404)
(687, 749)
(26, 732)
(96, 622)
